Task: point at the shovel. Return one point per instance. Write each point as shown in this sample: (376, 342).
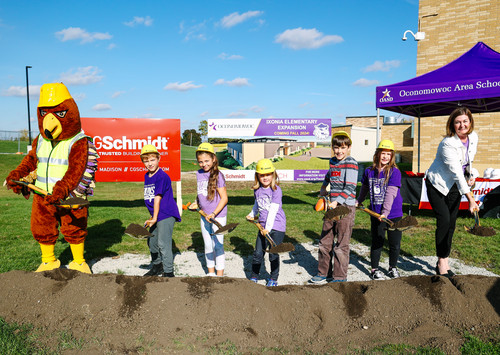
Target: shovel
(401, 225)
(275, 249)
(137, 231)
(477, 229)
(221, 229)
(71, 203)
(331, 214)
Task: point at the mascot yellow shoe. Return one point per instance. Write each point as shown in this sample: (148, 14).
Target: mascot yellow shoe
(78, 262)
(49, 261)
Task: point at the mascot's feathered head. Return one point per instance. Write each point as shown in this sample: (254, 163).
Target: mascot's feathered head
(58, 115)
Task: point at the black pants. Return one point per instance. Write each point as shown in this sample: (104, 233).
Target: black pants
(378, 229)
(258, 254)
(446, 210)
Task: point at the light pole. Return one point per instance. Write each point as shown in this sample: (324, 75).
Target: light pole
(28, 97)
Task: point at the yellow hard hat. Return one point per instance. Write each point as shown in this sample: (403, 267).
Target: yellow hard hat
(53, 94)
(342, 133)
(205, 147)
(386, 144)
(264, 166)
(149, 148)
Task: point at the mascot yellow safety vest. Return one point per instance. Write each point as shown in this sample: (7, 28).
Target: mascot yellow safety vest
(53, 161)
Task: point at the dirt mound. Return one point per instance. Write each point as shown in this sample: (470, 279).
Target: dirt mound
(122, 314)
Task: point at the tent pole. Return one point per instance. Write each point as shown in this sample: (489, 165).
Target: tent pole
(418, 164)
(378, 127)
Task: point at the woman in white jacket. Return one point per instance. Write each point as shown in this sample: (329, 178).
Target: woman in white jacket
(448, 178)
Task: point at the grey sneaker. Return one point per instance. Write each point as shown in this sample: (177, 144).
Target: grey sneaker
(377, 275)
(318, 280)
(394, 273)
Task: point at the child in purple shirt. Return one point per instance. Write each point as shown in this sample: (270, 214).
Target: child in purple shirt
(383, 181)
(212, 199)
(268, 207)
(159, 200)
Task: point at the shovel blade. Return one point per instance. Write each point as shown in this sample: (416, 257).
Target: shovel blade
(281, 248)
(137, 231)
(228, 228)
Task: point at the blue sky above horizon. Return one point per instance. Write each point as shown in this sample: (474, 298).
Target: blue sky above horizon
(196, 60)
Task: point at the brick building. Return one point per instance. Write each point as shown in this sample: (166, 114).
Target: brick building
(458, 26)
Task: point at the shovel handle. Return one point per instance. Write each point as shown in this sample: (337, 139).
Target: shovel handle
(31, 186)
(476, 217)
(268, 237)
(375, 214)
(211, 219)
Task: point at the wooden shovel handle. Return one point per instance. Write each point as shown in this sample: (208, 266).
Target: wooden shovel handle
(268, 237)
(375, 214)
(211, 219)
(31, 186)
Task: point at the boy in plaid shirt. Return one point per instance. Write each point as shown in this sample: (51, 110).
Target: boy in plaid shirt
(342, 178)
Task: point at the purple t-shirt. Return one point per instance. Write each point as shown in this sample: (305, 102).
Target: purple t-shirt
(160, 184)
(264, 197)
(377, 187)
(207, 206)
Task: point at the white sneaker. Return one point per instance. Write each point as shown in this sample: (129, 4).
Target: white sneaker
(211, 274)
(394, 273)
(377, 275)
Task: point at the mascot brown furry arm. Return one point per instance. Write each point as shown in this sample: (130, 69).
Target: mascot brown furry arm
(61, 156)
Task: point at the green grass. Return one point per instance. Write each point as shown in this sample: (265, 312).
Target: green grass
(313, 163)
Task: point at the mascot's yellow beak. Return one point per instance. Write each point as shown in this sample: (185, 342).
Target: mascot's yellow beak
(51, 126)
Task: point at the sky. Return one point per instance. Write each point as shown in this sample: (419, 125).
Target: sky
(197, 60)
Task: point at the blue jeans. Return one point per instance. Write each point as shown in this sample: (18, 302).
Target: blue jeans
(160, 244)
(258, 254)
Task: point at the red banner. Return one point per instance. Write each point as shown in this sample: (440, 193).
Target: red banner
(119, 142)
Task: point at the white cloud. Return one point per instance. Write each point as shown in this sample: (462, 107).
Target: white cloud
(117, 93)
(365, 82)
(382, 66)
(79, 97)
(146, 21)
(111, 46)
(256, 109)
(225, 56)
(235, 18)
(77, 33)
(305, 104)
(20, 91)
(186, 86)
(237, 114)
(82, 76)
(195, 31)
(101, 107)
(301, 38)
(235, 82)
(204, 113)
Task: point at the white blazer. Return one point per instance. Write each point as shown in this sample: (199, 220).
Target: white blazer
(446, 169)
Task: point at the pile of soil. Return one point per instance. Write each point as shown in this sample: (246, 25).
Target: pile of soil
(132, 314)
(482, 231)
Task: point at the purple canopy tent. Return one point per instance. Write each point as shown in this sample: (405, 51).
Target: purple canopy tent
(472, 80)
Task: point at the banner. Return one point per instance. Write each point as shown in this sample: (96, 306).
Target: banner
(320, 128)
(480, 189)
(283, 175)
(119, 142)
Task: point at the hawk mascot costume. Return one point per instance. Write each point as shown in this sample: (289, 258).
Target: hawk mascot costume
(63, 161)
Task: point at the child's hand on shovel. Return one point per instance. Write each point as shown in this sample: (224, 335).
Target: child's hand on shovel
(150, 222)
(333, 204)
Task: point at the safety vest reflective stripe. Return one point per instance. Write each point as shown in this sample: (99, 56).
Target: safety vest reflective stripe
(53, 161)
